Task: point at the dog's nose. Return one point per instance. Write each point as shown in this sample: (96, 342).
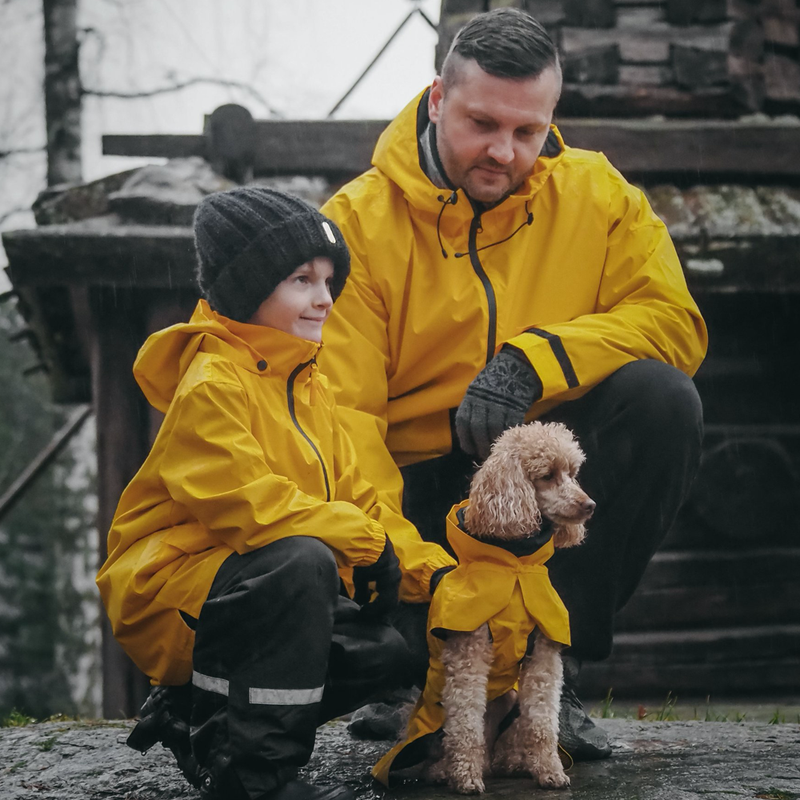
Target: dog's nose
(589, 506)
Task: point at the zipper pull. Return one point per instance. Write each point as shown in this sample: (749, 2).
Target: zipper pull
(314, 379)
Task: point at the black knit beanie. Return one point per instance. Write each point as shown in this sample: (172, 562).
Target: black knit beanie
(250, 239)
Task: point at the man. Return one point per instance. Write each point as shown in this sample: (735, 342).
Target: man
(499, 275)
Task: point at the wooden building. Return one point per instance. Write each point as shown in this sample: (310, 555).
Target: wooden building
(719, 609)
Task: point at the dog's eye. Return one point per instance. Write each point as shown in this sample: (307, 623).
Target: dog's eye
(548, 477)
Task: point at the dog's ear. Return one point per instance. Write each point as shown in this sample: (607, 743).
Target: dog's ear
(568, 535)
(502, 501)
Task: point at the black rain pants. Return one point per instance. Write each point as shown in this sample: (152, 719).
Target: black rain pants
(278, 651)
(641, 429)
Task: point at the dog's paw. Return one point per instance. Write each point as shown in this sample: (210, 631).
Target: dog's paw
(467, 784)
(436, 772)
(555, 779)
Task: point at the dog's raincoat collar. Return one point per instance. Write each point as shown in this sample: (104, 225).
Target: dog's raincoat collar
(517, 547)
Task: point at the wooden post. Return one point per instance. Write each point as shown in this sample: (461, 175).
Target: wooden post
(62, 92)
(122, 429)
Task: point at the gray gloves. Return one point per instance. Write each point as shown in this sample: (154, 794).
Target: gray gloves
(497, 399)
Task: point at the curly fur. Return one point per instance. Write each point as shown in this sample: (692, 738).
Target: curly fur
(529, 475)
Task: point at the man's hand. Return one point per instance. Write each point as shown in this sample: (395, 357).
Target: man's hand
(385, 573)
(496, 400)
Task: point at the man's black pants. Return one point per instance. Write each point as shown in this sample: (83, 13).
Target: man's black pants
(641, 430)
(278, 652)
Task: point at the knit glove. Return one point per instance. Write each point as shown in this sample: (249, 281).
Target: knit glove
(385, 573)
(497, 399)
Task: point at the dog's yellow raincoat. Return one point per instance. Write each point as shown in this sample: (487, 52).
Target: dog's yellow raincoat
(512, 593)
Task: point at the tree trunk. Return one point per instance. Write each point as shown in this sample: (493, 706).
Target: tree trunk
(62, 92)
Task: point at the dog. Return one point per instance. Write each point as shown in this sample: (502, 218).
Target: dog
(525, 490)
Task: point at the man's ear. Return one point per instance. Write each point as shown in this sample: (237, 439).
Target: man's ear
(435, 100)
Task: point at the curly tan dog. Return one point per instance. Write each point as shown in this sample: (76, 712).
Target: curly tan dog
(528, 479)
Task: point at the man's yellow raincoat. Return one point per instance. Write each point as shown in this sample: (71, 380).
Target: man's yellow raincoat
(511, 593)
(250, 451)
(591, 284)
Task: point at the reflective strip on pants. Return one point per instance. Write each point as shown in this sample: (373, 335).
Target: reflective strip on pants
(285, 697)
(209, 684)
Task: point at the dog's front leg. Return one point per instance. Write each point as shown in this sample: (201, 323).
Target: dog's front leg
(540, 697)
(466, 658)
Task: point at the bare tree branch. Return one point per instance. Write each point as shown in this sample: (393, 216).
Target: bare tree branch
(11, 212)
(176, 87)
(17, 151)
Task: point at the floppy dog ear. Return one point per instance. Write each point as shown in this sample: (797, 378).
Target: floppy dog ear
(502, 500)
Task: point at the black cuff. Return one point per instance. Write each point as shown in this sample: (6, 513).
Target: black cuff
(438, 575)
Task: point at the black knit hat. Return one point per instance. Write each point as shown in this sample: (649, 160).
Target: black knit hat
(250, 239)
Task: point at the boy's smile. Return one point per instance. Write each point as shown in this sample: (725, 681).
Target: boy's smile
(300, 303)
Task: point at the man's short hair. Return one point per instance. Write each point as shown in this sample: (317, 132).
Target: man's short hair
(506, 43)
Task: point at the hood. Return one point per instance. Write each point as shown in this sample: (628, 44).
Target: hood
(166, 355)
(397, 156)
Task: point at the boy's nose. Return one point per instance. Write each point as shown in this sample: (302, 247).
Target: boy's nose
(324, 298)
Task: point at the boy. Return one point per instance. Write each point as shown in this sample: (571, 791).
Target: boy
(229, 547)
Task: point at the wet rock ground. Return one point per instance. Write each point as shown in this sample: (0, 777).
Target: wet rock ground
(690, 760)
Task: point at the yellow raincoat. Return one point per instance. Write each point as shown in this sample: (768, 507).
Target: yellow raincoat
(512, 593)
(590, 285)
(250, 451)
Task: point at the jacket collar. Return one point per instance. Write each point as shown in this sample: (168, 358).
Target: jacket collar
(400, 155)
(535, 550)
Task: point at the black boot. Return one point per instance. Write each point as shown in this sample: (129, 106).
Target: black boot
(577, 734)
(164, 718)
(291, 790)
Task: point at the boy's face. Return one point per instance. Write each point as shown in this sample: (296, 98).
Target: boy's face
(301, 303)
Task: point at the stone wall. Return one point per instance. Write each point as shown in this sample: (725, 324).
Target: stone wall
(679, 58)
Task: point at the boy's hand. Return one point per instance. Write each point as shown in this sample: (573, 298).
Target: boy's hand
(385, 573)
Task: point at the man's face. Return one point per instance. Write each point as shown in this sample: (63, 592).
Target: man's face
(490, 130)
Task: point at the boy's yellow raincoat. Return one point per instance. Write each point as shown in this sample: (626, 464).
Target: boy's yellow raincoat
(250, 451)
(511, 593)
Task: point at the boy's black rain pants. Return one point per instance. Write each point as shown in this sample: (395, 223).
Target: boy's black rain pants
(277, 652)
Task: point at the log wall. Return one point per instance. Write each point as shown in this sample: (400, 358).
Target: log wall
(680, 58)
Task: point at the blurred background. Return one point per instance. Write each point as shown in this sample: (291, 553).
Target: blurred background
(118, 115)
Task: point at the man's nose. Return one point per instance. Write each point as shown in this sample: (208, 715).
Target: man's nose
(501, 149)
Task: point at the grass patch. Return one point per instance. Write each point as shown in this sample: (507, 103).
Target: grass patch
(46, 745)
(16, 719)
(777, 794)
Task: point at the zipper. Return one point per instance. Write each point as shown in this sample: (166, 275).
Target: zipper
(290, 401)
(474, 227)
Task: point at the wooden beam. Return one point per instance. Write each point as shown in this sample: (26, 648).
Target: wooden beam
(315, 147)
(639, 147)
(161, 145)
(74, 255)
(702, 148)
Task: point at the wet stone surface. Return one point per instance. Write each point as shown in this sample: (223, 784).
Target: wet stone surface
(651, 761)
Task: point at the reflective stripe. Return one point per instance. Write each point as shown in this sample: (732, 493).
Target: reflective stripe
(285, 697)
(216, 685)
